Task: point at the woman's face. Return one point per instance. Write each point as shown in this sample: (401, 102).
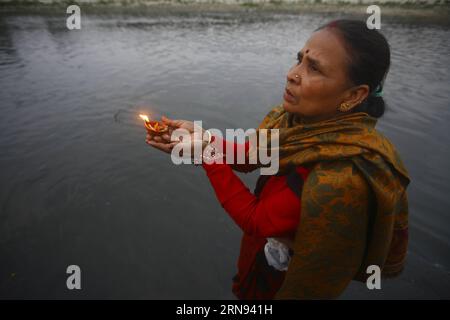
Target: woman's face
(322, 83)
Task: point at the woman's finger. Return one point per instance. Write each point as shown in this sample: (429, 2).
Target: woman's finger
(158, 146)
(171, 122)
(176, 139)
(166, 147)
(166, 137)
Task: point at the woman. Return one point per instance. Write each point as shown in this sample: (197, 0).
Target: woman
(338, 203)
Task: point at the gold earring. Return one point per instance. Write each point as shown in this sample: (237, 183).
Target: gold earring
(344, 107)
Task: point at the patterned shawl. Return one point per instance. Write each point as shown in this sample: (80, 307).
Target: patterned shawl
(352, 137)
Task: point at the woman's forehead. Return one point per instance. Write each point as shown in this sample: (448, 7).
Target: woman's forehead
(326, 47)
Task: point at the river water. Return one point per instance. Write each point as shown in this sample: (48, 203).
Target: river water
(79, 186)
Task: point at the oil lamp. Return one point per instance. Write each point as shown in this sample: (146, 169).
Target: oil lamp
(154, 127)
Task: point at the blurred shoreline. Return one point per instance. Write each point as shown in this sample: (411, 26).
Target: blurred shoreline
(436, 13)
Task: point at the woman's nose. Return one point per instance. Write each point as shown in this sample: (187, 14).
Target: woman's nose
(293, 76)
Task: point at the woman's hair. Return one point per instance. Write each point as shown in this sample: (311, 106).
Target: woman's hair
(369, 60)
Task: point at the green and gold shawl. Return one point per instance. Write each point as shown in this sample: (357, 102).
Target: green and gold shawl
(354, 202)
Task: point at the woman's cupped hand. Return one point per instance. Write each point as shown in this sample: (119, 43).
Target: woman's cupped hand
(168, 140)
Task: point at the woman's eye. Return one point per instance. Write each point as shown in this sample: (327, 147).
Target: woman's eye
(313, 67)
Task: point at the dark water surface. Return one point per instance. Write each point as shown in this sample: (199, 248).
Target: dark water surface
(78, 185)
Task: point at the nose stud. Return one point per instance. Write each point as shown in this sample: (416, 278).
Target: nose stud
(296, 76)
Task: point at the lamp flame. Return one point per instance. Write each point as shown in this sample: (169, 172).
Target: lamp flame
(144, 117)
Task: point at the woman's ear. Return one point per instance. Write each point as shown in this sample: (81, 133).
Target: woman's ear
(356, 95)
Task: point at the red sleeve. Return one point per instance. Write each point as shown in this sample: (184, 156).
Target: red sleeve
(271, 216)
